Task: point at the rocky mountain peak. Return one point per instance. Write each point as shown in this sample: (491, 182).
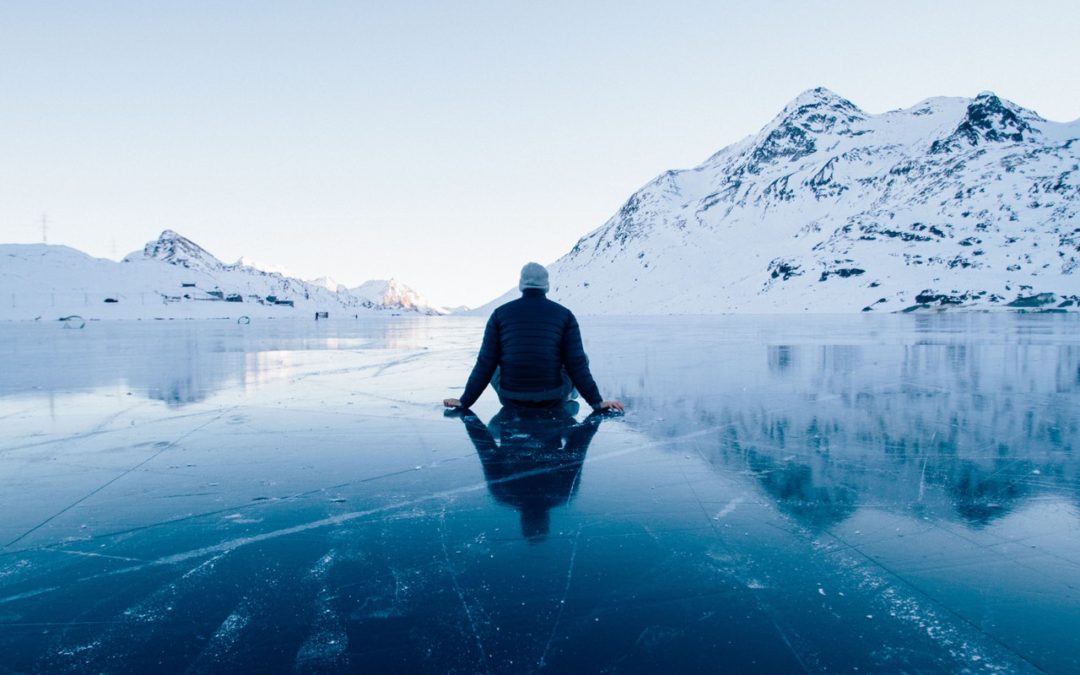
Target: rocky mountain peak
(792, 134)
(820, 110)
(816, 98)
(988, 119)
(175, 249)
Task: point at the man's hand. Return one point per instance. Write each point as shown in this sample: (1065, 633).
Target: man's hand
(455, 403)
(611, 405)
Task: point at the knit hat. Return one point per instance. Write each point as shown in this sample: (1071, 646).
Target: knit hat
(533, 275)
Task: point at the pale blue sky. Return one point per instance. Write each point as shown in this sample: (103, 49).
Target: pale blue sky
(444, 143)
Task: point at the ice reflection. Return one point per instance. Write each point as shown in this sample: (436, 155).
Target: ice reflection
(263, 367)
(984, 494)
(792, 485)
(967, 419)
(881, 494)
(532, 459)
(180, 363)
(780, 358)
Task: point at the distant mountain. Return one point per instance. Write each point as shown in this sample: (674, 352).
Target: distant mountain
(392, 294)
(953, 202)
(176, 250)
(329, 284)
(171, 277)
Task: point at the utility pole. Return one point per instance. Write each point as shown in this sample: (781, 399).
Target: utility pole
(44, 228)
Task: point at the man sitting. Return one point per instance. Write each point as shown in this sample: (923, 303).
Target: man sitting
(532, 353)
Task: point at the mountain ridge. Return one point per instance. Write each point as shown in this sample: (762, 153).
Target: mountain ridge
(393, 294)
(953, 202)
(171, 277)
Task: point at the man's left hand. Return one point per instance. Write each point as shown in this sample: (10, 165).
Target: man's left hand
(451, 403)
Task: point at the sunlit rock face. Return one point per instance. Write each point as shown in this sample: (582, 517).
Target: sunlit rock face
(393, 294)
(953, 202)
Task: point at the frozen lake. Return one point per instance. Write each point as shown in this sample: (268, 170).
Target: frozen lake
(784, 494)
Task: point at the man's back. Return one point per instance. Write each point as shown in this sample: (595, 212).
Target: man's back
(532, 340)
(531, 331)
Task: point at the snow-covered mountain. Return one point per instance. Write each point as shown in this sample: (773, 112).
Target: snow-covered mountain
(329, 283)
(172, 277)
(952, 202)
(393, 294)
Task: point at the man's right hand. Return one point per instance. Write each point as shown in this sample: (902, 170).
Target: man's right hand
(451, 403)
(611, 405)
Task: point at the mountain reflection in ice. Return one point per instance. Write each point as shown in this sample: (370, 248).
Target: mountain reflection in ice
(180, 362)
(965, 417)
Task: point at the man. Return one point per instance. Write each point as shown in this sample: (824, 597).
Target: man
(532, 348)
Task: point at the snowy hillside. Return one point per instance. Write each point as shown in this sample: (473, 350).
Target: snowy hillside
(952, 202)
(172, 277)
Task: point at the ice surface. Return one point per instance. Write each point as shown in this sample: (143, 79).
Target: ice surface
(784, 494)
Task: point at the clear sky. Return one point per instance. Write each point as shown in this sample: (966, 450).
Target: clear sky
(444, 143)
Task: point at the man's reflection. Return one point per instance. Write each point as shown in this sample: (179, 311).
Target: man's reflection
(532, 458)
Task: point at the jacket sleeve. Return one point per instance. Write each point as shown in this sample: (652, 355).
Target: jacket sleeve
(577, 363)
(486, 362)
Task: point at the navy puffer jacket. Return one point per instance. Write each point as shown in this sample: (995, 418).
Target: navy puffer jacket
(532, 339)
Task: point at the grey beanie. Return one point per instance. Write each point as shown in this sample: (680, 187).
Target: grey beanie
(533, 275)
